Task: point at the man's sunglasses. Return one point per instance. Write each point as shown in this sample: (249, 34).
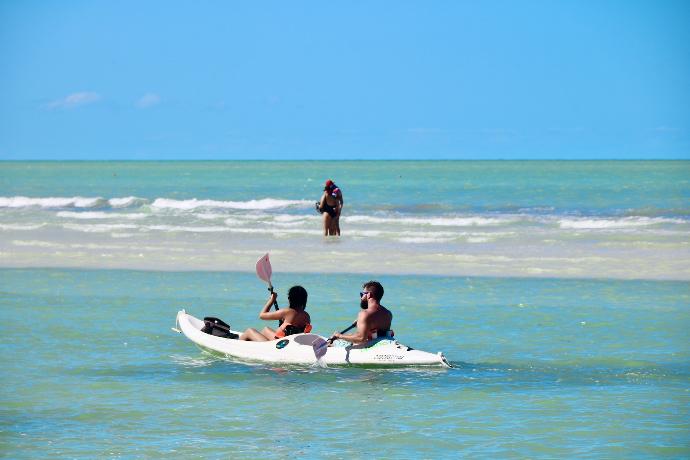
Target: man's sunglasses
(361, 294)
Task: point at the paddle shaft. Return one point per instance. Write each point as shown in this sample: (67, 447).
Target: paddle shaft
(275, 302)
(352, 326)
(320, 346)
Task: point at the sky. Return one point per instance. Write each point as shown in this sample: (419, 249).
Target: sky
(139, 80)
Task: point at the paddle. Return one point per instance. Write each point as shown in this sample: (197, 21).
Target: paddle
(264, 272)
(320, 345)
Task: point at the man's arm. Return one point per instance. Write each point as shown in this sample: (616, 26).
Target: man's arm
(339, 205)
(361, 335)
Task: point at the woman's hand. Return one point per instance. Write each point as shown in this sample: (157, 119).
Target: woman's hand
(269, 303)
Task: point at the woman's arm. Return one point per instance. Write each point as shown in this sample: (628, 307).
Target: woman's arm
(266, 313)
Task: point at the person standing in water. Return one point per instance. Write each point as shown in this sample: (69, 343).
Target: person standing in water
(331, 205)
(374, 320)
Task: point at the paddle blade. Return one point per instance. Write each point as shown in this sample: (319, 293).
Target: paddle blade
(263, 269)
(320, 347)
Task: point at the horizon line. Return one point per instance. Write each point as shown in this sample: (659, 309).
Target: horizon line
(54, 160)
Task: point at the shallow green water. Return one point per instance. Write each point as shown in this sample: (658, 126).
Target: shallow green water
(544, 368)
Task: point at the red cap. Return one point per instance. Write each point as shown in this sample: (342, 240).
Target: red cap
(329, 183)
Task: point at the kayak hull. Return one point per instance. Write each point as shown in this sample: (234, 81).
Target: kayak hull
(298, 349)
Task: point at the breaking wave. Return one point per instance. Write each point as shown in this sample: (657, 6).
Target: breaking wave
(258, 205)
(70, 202)
(607, 223)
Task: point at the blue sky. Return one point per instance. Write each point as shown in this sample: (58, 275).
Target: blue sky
(339, 80)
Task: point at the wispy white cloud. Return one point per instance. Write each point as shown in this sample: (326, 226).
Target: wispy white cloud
(74, 100)
(148, 100)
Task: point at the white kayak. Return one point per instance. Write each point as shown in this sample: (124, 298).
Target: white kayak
(299, 349)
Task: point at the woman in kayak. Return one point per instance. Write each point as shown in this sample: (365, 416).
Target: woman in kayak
(293, 320)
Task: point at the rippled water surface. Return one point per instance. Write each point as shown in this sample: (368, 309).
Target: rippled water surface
(544, 368)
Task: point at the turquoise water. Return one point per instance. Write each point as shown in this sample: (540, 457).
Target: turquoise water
(544, 368)
(559, 291)
(574, 219)
(653, 188)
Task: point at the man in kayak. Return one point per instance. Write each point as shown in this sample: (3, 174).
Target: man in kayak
(330, 206)
(293, 320)
(374, 320)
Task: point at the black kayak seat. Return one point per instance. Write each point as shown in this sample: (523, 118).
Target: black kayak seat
(218, 328)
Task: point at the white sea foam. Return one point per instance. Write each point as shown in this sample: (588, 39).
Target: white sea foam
(99, 215)
(51, 202)
(231, 221)
(36, 244)
(294, 218)
(264, 217)
(424, 240)
(21, 226)
(367, 233)
(478, 239)
(99, 228)
(279, 220)
(625, 222)
(126, 202)
(263, 204)
(187, 229)
(287, 224)
(122, 235)
(275, 231)
(445, 221)
(209, 216)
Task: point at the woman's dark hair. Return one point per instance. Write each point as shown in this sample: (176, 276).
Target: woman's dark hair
(375, 288)
(297, 297)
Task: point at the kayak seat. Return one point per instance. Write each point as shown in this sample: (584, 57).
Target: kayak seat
(306, 339)
(383, 333)
(218, 328)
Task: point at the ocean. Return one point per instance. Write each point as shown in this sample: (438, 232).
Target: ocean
(557, 289)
